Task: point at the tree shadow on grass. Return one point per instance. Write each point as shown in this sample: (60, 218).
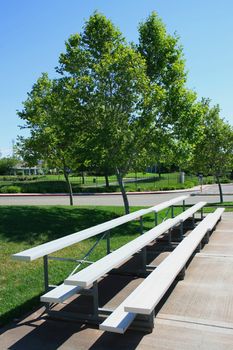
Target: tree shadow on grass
(35, 225)
(18, 311)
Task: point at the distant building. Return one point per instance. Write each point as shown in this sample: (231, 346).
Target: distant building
(26, 170)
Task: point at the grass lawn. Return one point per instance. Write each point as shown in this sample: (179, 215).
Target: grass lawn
(22, 227)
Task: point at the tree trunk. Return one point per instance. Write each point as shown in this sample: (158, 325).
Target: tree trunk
(83, 178)
(69, 186)
(159, 170)
(220, 189)
(106, 179)
(123, 192)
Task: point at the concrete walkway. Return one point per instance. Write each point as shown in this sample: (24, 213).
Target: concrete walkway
(196, 314)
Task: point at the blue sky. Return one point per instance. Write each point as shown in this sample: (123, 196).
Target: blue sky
(33, 35)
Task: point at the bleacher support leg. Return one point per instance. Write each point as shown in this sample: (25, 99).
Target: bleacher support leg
(183, 205)
(206, 238)
(169, 236)
(144, 259)
(141, 225)
(202, 214)
(151, 321)
(172, 211)
(193, 221)
(156, 218)
(95, 300)
(46, 273)
(181, 274)
(108, 243)
(198, 248)
(181, 230)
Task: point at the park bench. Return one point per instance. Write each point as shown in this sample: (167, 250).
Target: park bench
(62, 292)
(143, 300)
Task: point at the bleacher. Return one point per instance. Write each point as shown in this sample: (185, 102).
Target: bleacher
(143, 300)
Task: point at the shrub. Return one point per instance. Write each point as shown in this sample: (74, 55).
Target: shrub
(10, 189)
(225, 180)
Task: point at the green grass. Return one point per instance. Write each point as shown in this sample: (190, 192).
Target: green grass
(212, 206)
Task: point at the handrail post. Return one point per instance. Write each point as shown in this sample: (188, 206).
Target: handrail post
(46, 273)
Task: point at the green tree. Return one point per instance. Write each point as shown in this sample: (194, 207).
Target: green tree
(114, 95)
(6, 165)
(214, 151)
(177, 125)
(47, 115)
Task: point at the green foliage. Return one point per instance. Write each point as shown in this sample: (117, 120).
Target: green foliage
(112, 91)
(6, 165)
(46, 113)
(163, 54)
(214, 151)
(10, 189)
(114, 96)
(176, 126)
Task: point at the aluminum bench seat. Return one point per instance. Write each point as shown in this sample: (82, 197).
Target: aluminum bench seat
(60, 294)
(92, 273)
(66, 241)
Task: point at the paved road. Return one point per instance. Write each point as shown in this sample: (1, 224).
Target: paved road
(209, 194)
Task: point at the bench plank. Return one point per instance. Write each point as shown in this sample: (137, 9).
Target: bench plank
(87, 276)
(118, 321)
(189, 212)
(60, 243)
(165, 205)
(144, 299)
(59, 294)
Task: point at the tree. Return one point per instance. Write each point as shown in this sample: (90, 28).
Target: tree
(6, 165)
(177, 125)
(214, 151)
(113, 94)
(47, 115)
